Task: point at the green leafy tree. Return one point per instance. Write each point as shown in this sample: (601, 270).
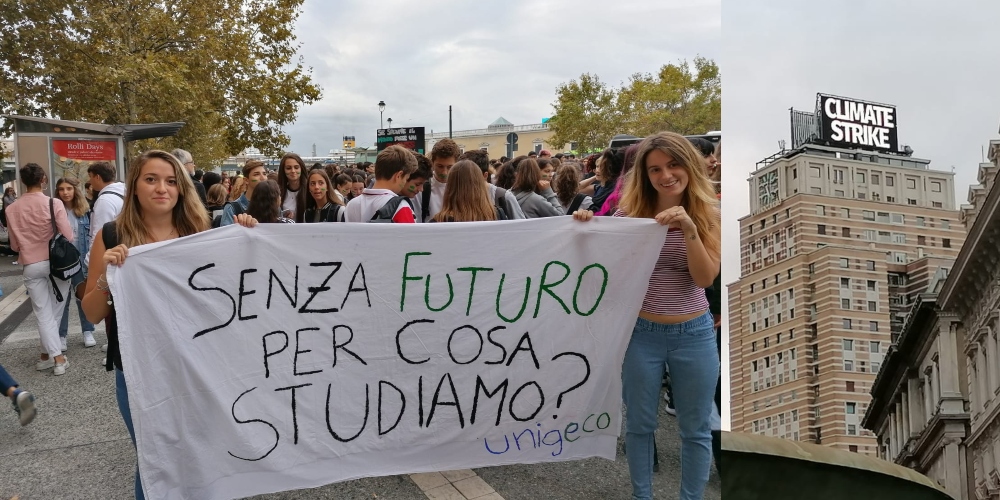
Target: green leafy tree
(684, 98)
(224, 67)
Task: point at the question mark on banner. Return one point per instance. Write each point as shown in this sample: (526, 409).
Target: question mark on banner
(586, 377)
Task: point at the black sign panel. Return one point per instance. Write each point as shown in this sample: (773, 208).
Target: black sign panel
(411, 138)
(854, 124)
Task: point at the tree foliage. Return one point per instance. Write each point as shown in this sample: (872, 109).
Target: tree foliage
(224, 67)
(683, 98)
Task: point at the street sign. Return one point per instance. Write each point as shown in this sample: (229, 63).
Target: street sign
(512, 138)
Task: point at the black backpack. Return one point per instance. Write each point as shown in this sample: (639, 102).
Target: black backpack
(388, 210)
(64, 258)
(575, 205)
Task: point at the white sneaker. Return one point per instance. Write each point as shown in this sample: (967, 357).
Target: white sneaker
(24, 403)
(104, 348)
(62, 343)
(45, 364)
(88, 339)
(61, 368)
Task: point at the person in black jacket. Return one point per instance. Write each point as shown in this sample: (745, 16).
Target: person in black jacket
(318, 202)
(188, 162)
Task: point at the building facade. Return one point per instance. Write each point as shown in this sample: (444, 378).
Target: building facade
(936, 405)
(493, 139)
(837, 244)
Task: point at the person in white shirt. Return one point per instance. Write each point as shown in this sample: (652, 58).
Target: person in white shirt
(444, 154)
(393, 167)
(289, 181)
(109, 199)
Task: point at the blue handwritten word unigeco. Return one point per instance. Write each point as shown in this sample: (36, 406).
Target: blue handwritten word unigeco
(538, 439)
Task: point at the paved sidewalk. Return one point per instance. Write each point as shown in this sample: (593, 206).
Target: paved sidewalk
(78, 448)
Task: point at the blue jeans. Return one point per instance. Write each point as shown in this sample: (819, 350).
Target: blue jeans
(121, 394)
(64, 325)
(6, 382)
(689, 349)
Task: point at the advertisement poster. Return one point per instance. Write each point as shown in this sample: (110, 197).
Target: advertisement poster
(71, 157)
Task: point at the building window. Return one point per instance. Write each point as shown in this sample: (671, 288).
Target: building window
(820, 210)
(861, 196)
(852, 430)
(890, 199)
(945, 224)
(899, 238)
(890, 180)
(936, 186)
(815, 172)
(845, 282)
(870, 234)
(899, 257)
(838, 193)
(874, 347)
(753, 347)
(875, 366)
(848, 365)
(751, 287)
(795, 173)
(946, 242)
(845, 232)
(868, 215)
(921, 221)
(911, 183)
(882, 217)
(821, 228)
(853, 448)
(850, 386)
(753, 326)
(861, 177)
(845, 303)
(875, 179)
(873, 326)
(921, 240)
(847, 326)
(872, 306)
(911, 201)
(936, 204)
(851, 408)
(754, 365)
(838, 176)
(812, 270)
(765, 342)
(896, 218)
(871, 285)
(871, 265)
(844, 262)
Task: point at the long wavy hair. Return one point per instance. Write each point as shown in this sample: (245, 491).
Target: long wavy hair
(79, 204)
(238, 187)
(466, 196)
(189, 215)
(304, 200)
(567, 183)
(283, 178)
(640, 198)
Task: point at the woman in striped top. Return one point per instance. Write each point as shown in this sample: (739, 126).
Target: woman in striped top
(675, 327)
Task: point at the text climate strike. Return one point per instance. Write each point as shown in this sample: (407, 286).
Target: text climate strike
(292, 356)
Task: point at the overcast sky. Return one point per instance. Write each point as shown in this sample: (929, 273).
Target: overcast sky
(485, 58)
(936, 61)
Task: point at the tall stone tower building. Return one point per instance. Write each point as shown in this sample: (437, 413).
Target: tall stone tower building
(840, 238)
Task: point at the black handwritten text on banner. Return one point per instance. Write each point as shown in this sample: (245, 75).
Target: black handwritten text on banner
(292, 356)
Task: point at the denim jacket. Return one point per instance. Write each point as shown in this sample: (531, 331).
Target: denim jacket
(81, 231)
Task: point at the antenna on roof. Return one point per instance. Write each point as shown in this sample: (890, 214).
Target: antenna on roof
(781, 144)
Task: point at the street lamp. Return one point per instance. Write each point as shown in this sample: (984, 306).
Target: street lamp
(390, 122)
(381, 108)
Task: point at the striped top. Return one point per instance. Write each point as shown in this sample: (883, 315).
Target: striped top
(672, 291)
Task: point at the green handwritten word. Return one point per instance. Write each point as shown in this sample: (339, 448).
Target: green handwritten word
(552, 275)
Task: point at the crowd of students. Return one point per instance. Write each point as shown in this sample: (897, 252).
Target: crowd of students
(665, 177)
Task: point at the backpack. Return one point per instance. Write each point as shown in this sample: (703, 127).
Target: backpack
(577, 201)
(237, 209)
(499, 202)
(94, 203)
(385, 213)
(64, 258)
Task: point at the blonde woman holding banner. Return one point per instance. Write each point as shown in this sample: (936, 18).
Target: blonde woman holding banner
(161, 205)
(675, 327)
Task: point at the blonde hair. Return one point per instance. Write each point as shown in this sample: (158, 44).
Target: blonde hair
(79, 205)
(639, 197)
(466, 197)
(189, 215)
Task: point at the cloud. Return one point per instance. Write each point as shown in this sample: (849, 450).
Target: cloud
(934, 61)
(485, 59)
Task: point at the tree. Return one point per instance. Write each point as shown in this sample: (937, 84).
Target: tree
(680, 98)
(224, 67)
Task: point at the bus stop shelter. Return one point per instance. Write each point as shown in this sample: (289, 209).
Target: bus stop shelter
(66, 148)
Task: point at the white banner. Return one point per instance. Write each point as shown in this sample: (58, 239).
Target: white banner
(293, 356)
